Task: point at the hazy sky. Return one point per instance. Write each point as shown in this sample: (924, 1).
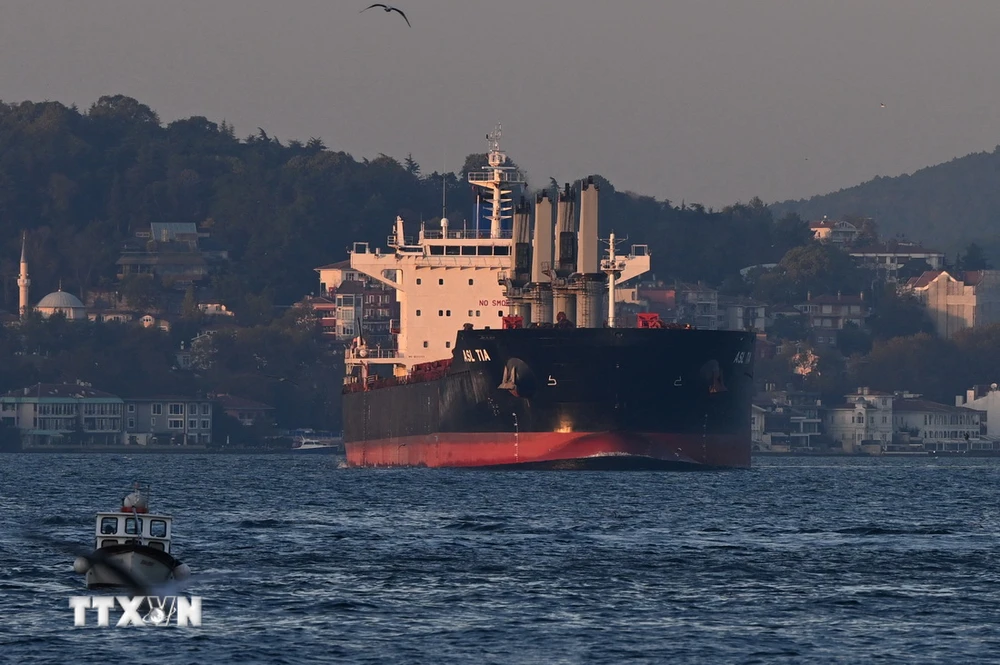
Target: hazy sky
(705, 100)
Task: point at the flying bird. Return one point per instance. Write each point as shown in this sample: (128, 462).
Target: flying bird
(388, 8)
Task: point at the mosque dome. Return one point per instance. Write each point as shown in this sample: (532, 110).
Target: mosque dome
(60, 301)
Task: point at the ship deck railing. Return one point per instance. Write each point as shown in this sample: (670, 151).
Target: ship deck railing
(489, 176)
(466, 234)
(372, 353)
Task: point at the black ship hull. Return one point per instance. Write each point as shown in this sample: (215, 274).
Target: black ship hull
(569, 398)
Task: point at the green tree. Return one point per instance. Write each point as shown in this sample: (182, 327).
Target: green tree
(141, 292)
(789, 328)
(973, 259)
(189, 306)
(912, 268)
(868, 231)
(898, 315)
(852, 340)
(411, 165)
(822, 269)
(790, 231)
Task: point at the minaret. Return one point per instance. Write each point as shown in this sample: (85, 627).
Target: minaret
(22, 280)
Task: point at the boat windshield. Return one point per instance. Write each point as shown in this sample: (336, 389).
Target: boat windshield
(109, 525)
(158, 528)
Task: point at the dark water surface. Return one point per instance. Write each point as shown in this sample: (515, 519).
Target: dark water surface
(797, 560)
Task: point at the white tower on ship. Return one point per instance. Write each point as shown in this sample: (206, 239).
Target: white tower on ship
(498, 183)
(23, 282)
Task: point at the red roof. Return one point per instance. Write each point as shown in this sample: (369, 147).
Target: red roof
(973, 277)
(926, 278)
(926, 405)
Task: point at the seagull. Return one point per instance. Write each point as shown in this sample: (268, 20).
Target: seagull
(883, 105)
(388, 8)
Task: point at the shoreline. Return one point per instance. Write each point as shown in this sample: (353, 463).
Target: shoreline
(161, 450)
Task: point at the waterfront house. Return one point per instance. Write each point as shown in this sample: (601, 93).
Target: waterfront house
(73, 414)
(168, 420)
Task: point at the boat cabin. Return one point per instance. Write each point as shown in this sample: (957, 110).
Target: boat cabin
(127, 528)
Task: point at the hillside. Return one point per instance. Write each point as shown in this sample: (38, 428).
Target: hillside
(84, 183)
(947, 206)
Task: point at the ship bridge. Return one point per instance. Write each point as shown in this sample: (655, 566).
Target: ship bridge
(508, 273)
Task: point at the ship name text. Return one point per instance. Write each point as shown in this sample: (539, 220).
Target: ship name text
(475, 355)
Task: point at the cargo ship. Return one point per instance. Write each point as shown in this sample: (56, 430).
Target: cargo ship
(509, 353)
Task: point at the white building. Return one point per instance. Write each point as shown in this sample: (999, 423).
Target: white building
(867, 416)
(333, 275)
(888, 257)
(955, 304)
(741, 314)
(940, 427)
(985, 399)
(836, 232)
(63, 414)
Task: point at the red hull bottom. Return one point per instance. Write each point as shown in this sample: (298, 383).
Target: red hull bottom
(596, 450)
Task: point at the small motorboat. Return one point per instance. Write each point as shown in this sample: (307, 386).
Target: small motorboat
(132, 548)
(307, 442)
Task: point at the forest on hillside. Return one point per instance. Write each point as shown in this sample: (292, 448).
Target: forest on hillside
(945, 206)
(82, 182)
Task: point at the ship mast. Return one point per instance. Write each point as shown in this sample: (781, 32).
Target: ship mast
(498, 182)
(613, 267)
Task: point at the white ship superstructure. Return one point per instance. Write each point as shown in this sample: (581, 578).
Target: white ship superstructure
(447, 278)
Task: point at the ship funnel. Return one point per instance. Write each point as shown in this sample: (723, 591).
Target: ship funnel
(563, 299)
(565, 238)
(541, 261)
(521, 236)
(587, 258)
(541, 258)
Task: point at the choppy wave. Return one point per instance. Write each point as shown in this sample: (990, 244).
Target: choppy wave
(851, 561)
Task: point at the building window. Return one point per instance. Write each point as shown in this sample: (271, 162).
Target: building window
(131, 408)
(447, 345)
(470, 282)
(477, 312)
(418, 312)
(131, 423)
(157, 409)
(447, 312)
(418, 281)
(425, 345)
(192, 408)
(205, 424)
(175, 423)
(441, 282)
(176, 409)
(206, 409)
(470, 312)
(440, 312)
(499, 313)
(192, 424)
(152, 423)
